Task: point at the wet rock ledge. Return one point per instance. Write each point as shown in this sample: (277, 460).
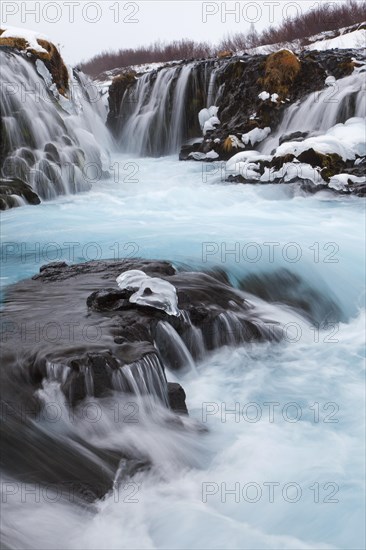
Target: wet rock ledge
(94, 337)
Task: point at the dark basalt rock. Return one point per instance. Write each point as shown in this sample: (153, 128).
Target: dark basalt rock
(17, 187)
(52, 153)
(359, 189)
(110, 331)
(189, 148)
(289, 288)
(127, 344)
(177, 398)
(295, 136)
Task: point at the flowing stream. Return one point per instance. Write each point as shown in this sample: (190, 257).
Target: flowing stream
(171, 213)
(280, 464)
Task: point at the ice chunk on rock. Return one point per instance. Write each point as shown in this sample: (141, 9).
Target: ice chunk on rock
(149, 291)
(131, 280)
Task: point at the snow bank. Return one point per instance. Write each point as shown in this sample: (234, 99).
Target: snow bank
(30, 36)
(246, 156)
(355, 39)
(246, 164)
(347, 140)
(149, 291)
(340, 182)
(321, 42)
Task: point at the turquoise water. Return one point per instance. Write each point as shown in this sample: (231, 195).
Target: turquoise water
(181, 212)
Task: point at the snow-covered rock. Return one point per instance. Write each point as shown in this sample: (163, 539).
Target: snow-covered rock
(256, 135)
(292, 171)
(205, 114)
(30, 37)
(210, 124)
(346, 140)
(340, 182)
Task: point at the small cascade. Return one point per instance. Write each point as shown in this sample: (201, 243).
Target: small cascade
(56, 144)
(343, 99)
(57, 372)
(159, 112)
(174, 352)
(193, 338)
(144, 377)
(228, 329)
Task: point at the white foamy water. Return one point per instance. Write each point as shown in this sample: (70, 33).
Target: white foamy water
(170, 212)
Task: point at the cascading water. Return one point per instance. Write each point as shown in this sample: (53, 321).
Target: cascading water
(159, 112)
(311, 377)
(145, 377)
(56, 144)
(341, 100)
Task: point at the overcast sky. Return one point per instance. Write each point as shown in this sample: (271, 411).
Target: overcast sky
(83, 28)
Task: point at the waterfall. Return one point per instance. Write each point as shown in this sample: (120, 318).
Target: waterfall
(343, 99)
(159, 112)
(173, 350)
(55, 144)
(144, 377)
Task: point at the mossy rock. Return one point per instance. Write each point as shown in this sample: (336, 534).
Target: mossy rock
(347, 67)
(278, 162)
(280, 72)
(126, 78)
(51, 58)
(330, 164)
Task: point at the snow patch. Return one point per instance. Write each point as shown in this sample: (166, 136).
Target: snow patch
(355, 39)
(347, 140)
(196, 155)
(330, 81)
(340, 182)
(264, 96)
(30, 36)
(235, 142)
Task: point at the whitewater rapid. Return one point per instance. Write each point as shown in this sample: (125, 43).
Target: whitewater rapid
(184, 213)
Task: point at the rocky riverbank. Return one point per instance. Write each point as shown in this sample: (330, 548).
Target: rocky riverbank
(251, 104)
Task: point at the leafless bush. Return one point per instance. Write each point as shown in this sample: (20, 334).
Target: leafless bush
(157, 52)
(327, 17)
